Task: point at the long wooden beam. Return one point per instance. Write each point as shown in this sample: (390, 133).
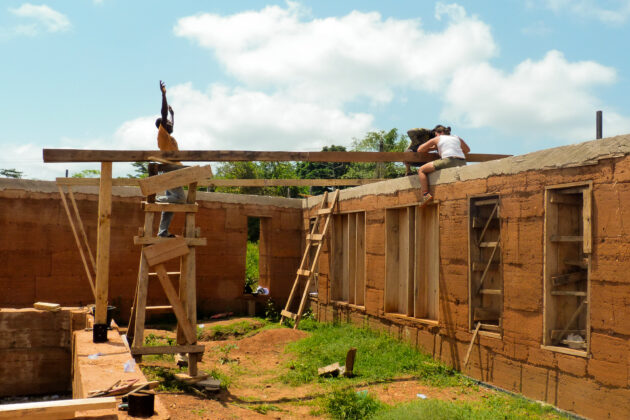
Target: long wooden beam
(133, 182)
(80, 155)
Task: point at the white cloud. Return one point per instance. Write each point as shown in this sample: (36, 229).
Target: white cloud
(45, 18)
(339, 59)
(546, 98)
(234, 119)
(610, 11)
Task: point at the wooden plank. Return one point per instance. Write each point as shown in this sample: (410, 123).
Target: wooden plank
(55, 409)
(472, 341)
(213, 182)
(165, 161)
(583, 264)
(164, 251)
(190, 348)
(78, 242)
(170, 273)
(159, 308)
(45, 306)
(485, 228)
(103, 242)
(322, 212)
(304, 273)
(144, 240)
(182, 320)
(491, 244)
(81, 228)
(360, 263)
(560, 279)
(314, 237)
(82, 155)
(178, 178)
(491, 327)
(288, 314)
(574, 190)
(567, 293)
(350, 356)
(487, 202)
(587, 245)
(392, 227)
(566, 238)
(175, 208)
(136, 323)
(485, 272)
(490, 291)
(479, 222)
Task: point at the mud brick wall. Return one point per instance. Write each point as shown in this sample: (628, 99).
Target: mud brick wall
(35, 351)
(41, 261)
(596, 386)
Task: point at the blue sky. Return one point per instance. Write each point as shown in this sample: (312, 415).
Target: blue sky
(508, 76)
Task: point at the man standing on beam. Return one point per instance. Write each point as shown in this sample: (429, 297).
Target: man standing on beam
(166, 142)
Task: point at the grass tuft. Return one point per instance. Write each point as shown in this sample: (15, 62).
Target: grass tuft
(347, 404)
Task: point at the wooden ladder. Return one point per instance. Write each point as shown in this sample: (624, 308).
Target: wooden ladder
(155, 251)
(304, 274)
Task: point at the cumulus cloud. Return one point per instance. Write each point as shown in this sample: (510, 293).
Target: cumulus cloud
(45, 18)
(610, 11)
(236, 118)
(551, 96)
(339, 59)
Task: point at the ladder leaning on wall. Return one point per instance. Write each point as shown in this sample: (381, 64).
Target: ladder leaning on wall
(303, 274)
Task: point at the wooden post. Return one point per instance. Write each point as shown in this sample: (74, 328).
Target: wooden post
(102, 242)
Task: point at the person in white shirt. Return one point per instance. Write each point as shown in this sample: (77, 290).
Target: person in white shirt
(452, 150)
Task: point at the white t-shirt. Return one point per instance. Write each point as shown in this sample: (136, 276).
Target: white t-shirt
(450, 146)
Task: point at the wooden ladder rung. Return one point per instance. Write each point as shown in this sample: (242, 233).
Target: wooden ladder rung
(567, 278)
(170, 273)
(324, 211)
(159, 308)
(288, 314)
(488, 244)
(305, 273)
(314, 237)
(142, 240)
(491, 327)
(491, 292)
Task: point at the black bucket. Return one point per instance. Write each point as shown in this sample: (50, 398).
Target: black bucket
(99, 333)
(110, 314)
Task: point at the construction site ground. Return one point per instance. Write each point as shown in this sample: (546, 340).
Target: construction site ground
(249, 356)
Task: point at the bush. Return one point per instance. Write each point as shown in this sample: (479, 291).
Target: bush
(346, 404)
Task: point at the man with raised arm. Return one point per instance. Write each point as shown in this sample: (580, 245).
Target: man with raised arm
(166, 142)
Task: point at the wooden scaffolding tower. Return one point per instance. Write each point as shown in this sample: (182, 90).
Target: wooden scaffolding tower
(155, 252)
(307, 268)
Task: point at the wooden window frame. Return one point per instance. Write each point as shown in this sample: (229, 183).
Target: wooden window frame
(557, 245)
(412, 276)
(484, 261)
(348, 259)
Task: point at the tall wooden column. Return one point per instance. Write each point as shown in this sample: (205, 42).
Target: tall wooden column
(102, 242)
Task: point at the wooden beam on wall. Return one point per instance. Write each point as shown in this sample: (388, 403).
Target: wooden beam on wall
(133, 182)
(80, 155)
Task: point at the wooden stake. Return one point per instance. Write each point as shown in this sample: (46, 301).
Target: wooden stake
(81, 229)
(472, 342)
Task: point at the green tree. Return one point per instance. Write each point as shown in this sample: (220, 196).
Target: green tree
(258, 170)
(141, 170)
(87, 173)
(11, 173)
(323, 170)
(372, 141)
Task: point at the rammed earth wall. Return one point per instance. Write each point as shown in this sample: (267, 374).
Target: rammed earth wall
(595, 384)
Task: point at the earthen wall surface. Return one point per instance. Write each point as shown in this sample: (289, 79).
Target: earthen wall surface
(41, 261)
(596, 386)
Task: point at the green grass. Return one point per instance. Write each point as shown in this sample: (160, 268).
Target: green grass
(236, 329)
(494, 407)
(251, 265)
(347, 404)
(379, 357)
(168, 382)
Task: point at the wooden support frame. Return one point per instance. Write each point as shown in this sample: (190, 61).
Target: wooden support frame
(81, 155)
(348, 259)
(133, 182)
(59, 409)
(567, 256)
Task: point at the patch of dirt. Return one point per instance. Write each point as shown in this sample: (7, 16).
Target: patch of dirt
(255, 362)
